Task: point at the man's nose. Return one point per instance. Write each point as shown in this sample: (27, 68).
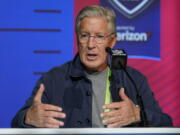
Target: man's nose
(91, 42)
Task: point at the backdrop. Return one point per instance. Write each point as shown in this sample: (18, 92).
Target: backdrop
(36, 35)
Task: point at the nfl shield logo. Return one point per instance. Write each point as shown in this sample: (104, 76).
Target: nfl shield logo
(130, 8)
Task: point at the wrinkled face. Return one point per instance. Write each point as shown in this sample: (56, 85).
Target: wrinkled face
(92, 52)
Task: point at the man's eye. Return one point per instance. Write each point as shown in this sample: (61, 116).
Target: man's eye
(99, 36)
(84, 35)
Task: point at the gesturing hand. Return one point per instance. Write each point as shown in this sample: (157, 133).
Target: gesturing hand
(43, 115)
(122, 113)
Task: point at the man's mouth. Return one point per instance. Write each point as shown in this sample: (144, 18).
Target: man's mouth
(91, 56)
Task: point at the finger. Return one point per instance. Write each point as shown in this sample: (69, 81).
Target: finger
(111, 113)
(55, 114)
(113, 105)
(49, 107)
(118, 124)
(38, 96)
(112, 120)
(122, 94)
(50, 126)
(53, 123)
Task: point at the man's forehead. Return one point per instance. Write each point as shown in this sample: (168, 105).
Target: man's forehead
(94, 23)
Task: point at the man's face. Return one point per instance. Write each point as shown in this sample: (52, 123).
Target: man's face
(92, 52)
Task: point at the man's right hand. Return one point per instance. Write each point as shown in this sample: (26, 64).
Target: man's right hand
(44, 115)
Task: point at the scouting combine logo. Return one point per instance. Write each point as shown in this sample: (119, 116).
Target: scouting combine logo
(130, 8)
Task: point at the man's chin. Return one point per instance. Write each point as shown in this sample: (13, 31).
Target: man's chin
(91, 66)
(94, 67)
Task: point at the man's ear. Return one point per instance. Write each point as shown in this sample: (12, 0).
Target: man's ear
(77, 42)
(113, 41)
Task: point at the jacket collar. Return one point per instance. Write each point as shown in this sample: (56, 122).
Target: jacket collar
(77, 69)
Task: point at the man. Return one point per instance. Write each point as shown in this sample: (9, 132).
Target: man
(77, 93)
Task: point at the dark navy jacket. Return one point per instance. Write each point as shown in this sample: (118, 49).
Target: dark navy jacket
(68, 87)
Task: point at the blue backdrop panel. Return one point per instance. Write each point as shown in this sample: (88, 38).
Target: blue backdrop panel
(35, 35)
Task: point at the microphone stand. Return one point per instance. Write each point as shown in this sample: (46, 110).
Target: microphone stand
(113, 78)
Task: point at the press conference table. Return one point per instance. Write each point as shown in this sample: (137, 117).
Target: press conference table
(91, 131)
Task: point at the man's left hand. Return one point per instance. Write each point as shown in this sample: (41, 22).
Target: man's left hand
(122, 113)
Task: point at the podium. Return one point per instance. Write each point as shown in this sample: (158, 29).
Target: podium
(90, 131)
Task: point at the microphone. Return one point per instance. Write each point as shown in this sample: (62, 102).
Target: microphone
(108, 50)
(118, 60)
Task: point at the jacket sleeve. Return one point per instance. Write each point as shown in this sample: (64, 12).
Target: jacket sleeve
(19, 119)
(155, 116)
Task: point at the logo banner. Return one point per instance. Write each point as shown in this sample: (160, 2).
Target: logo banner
(138, 27)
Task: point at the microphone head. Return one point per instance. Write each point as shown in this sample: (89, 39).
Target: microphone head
(117, 58)
(108, 50)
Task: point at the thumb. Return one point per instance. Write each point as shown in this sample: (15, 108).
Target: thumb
(122, 94)
(38, 96)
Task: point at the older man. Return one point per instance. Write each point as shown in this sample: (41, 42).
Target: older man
(77, 93)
